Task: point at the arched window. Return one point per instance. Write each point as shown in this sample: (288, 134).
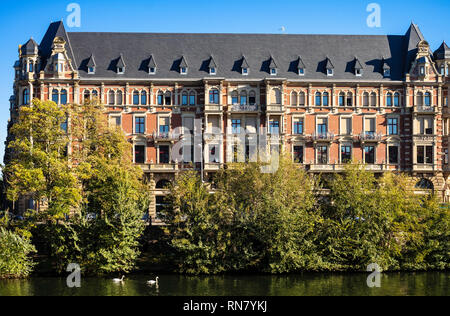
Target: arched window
(136, 98)
(64, 97)
(55, 96)
(366, 99)
(87, 95)
(184, 98)
(162, 184)
(26, 97)
(425, 184)
(419, 99)
(95, 95)
(119, 98)
(318, 99)
(373, 99)
(349, 99)
(342, 99)
(389, 99)
(294, 98)
(143, 98)
(427, 99)
(234, 98)
(160, 98)
(397, 99)
(214, 96)
(244, 98)
(252, 98)
(325, 99)
(192, 98)
(276, 96)
(301, 99)
(168, 98)
(112, 97)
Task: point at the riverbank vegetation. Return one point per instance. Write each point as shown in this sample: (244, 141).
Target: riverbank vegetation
(93, 200)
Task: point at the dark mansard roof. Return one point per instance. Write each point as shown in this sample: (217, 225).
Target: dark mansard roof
(232, 52)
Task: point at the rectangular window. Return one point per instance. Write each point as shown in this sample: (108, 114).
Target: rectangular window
(426, 125)
(346, 153)
(192, 99)
(346, 126)
(139, 154)
(163, 154)
(322, 128)
(425, 154)
(236, 126)
(322, 155)
(274, 127)
(298, 126)
(140, 125)
(115, 121)
(393, 154)
(369, 126)
(164, 126)
(369, 154)
(392, 126)
(298, 154)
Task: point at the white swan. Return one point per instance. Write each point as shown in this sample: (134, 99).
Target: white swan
(119, 280)
(153, 282)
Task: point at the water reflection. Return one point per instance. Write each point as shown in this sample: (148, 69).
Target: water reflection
(430, 283)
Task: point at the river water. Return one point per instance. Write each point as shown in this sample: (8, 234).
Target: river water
(306, 284)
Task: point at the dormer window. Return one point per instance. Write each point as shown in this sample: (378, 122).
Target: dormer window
(30, 67)
(212, 71)
(91, 70)
(301, 71)
(120, 70)
(152, 70)
(330, 72)
(387, 73)
(245, 71)
(358, 72)
(273, 71)
(443, 70)
(183, 70)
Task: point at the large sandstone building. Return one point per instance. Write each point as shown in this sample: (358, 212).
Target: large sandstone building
(382, 100)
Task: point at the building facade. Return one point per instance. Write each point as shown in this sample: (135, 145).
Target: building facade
(325, 99)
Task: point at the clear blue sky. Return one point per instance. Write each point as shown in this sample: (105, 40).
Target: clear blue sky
(20, 20)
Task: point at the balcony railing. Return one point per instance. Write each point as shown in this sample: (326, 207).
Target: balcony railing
(165, 136)
(370, 137)
(327, 137)
(244, 108)
(424, 109)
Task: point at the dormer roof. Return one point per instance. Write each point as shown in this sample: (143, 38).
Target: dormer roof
(443, 52)
(91, 62)
(183, 62)
(30, 47)
(212, 63)
(120, 62)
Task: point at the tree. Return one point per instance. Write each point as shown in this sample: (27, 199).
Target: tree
(40, 166)
(15, 251)
(104, 236)
(251, 221)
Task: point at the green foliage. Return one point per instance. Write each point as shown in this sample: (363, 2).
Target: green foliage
(40, 165)
(15, 254)
(254, 220)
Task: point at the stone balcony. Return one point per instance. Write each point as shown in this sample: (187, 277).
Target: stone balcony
(322, 137)
(213, 108)
(275, 108)
(424, 109)
(165, 137)
(243, 108)
(370, 137)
